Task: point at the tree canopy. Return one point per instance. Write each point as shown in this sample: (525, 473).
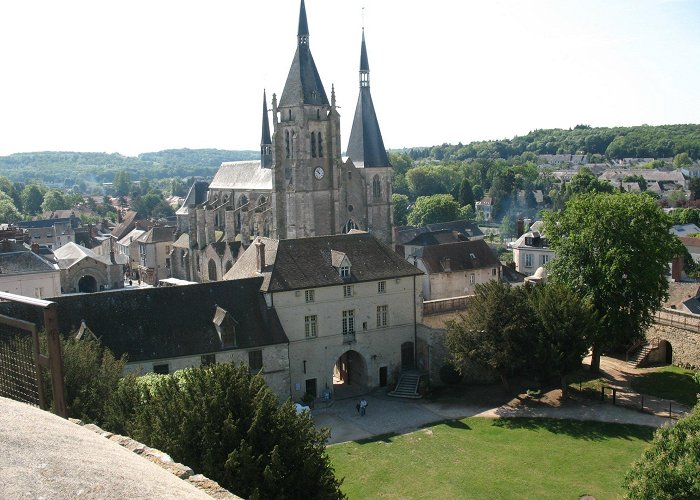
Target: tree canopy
(432, 209)
(613, 250)
(227, 424)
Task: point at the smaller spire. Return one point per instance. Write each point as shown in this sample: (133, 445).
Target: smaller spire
(333, 95)
(303, 33)
(364, 63)
(266, 140)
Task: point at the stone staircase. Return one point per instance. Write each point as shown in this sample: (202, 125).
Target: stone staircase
(639, 352)
(407, 386)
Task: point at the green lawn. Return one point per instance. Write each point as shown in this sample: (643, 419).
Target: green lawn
(493, 458)
(669, 382)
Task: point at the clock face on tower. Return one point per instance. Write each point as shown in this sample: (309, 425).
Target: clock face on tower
(319, 173)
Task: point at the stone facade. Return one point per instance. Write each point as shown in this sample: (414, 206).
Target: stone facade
(678, 335)
(275, 362)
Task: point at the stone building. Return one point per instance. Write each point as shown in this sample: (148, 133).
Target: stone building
(25, 272)
(84, 271)
(301, 186)
(349, 305)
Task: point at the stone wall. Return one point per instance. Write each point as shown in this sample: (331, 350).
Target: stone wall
(682, 331)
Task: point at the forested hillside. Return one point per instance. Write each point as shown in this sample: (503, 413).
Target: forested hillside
(663, 141)
(71, 168)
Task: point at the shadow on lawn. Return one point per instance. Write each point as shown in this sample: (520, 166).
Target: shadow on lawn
(590, 431)
(454, 424)
(669, 385)
(386, 438)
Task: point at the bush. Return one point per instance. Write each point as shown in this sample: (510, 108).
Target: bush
(91, 374)
(669, 468)
(227, 424)
(449, 375)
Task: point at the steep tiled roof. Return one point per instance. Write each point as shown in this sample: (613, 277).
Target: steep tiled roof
(406, 234)
(307, 262)
(23, 262)
(245, 175)
(158, 323)
(195, 196)
(464, 255)
(158, 234)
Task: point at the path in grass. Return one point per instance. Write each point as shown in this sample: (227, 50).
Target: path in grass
(493, 458)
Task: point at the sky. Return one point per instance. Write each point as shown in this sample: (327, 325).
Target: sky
(133, 76)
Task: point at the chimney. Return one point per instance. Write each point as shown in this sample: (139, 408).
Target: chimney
(520, 227)
(260, 255)
(677, 268)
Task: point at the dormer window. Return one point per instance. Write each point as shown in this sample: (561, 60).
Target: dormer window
(341, 262)
(345, 271)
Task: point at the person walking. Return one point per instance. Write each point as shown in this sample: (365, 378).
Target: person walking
(363, 407)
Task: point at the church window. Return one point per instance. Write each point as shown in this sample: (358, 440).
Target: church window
(290, 114)
(243, 203)
(349, 175)
(376, 187)
(349, 226)
(318, 114)
(350, 208)
(261, 203)
(313, 144)
(320, 144)
(293, 147)
(212, 270)
(286, 141)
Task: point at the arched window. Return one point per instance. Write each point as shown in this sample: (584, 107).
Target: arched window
(243, 203)
(293, 148)
(286, 141)
(260, 205)
(349, 226)
(376, 187)
(320, 144)
(212, 270)
(313, 144)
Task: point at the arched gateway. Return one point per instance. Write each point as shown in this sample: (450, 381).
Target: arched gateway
(349, 375)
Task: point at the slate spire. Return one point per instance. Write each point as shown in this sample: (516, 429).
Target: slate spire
(303, 84)
(366, 145)
(266, 140)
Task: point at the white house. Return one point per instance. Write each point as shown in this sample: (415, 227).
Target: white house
(23, 272)
(531, 250)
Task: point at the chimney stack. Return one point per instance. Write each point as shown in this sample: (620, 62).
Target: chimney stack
(677, 268)
(260, 255)
(520, 227)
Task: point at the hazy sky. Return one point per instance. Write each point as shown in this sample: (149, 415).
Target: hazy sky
(132, 76)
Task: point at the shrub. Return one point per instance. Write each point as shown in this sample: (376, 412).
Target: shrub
(669, 467)
(227, 424)
(449, 375)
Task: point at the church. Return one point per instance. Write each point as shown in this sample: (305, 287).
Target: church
(302, 186)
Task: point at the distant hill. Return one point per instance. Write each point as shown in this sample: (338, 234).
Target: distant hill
(69, 168)
(644, 141)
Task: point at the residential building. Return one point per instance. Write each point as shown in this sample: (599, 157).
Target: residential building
(54, 233)
(484, 209)
(129, 247)
(155, 246)
(531, 250)
(454, 269)
(24, 272)
(349, 305)
(407, 239)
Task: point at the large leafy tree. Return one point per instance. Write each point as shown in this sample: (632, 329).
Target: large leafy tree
(565, 323)
(32, 197)
(54, 200)
(227, 424)
(432, 209)
(613, 250)
(400, 203)
(8, 211)
(670, 467)
(496, 331)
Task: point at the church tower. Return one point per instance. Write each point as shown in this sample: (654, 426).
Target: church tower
(306, 149)
(366, 150)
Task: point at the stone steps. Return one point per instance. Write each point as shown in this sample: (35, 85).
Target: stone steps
(407, 386)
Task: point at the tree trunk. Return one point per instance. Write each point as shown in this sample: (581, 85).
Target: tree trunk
(564, 387)
(504, 381)
(595, 359)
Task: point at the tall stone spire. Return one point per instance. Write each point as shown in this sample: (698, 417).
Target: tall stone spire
(366, 145)
(266, 140)
(303, 84)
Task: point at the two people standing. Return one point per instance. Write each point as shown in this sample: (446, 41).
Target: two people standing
(362, 407)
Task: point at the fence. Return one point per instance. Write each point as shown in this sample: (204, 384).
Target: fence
(631, 399)
(22, 362)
